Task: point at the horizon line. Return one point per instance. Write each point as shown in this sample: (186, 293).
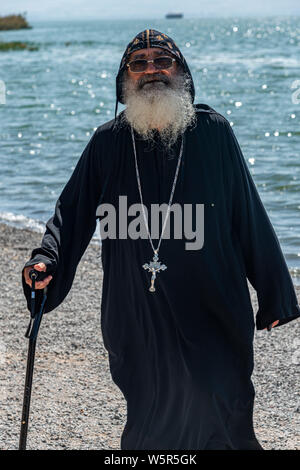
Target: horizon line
(189, 16)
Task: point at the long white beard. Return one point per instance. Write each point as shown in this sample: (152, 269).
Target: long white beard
(168, 108)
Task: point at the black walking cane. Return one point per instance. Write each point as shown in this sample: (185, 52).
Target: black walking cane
(31, 333)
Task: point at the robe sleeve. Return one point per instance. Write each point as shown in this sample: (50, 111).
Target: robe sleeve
(70, 229)
(263, 259)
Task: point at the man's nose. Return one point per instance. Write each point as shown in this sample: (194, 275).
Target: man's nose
(151, 67)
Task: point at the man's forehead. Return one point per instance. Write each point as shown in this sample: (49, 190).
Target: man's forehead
(142, 53)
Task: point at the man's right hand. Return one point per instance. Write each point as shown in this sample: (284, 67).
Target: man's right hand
(39, 284)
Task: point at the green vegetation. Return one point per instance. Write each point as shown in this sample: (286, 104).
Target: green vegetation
(16, 46)
(14, 22)
(10, 22)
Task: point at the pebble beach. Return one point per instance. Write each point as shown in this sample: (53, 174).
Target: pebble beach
(75, 404)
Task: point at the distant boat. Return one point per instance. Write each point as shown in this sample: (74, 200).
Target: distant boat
(174, 15)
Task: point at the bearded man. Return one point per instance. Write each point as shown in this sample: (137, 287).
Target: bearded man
(179, 328)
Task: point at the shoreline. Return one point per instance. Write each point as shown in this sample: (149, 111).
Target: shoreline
(75, 404)
(39, 229)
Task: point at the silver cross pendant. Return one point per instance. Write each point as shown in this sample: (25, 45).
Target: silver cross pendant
(154, 267)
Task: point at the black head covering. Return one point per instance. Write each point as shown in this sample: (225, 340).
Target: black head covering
(143, 40)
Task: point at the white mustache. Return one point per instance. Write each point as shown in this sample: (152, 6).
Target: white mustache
(144, 80)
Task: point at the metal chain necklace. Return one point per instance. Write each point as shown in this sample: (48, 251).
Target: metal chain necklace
(155, 266)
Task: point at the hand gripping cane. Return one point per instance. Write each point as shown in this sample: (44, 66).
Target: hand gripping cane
(31, 333)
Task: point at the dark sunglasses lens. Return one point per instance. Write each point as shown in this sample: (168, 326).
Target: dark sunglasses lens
(163, 62)
(138, 65)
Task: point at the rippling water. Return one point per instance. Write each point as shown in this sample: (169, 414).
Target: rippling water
(245, 68)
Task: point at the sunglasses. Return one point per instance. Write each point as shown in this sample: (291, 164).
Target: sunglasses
(160, 63)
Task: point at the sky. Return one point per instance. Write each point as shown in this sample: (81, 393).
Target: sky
(118, 9)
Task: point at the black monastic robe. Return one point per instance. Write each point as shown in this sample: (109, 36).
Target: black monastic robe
(182, 355)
